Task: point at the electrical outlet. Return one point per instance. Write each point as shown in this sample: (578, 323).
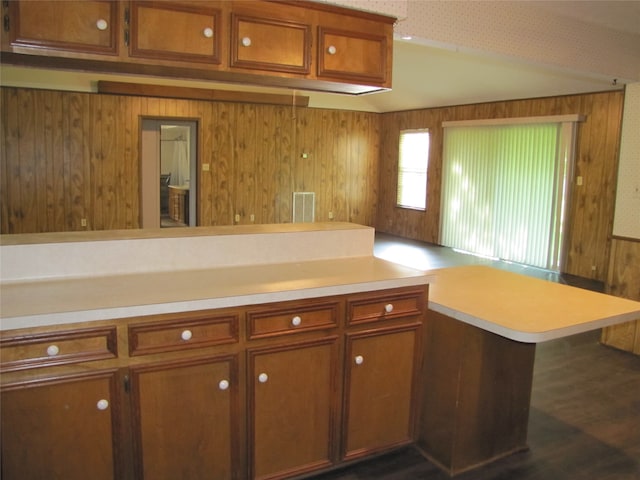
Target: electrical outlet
(330, 215)
(205, 167)
(252, 217)
(83, 222)
(579, 181)
(237, 217)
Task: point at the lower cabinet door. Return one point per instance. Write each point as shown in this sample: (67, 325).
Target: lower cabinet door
(380, 388)
(183, 419)
(292, 408)
(62, 428)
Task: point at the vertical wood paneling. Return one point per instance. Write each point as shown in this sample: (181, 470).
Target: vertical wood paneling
(11, 165)
(82, 150)
(96, 172)
(623, 280)
(591, 210)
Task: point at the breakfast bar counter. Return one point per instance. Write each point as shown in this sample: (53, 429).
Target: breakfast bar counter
(483, 324)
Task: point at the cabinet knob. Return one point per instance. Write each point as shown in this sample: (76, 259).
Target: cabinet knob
(331, 50)
(208, 32)
(186, 335)
(388, 307)
(102, 24)
(246, 41)
(102, 404)
(53, 350)
(263, 377)
(359, 359)
(223, 384)
(296, 321)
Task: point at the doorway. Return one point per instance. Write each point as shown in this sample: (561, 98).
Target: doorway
(169, 173)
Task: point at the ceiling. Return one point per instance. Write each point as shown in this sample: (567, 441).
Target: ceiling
(424, 75)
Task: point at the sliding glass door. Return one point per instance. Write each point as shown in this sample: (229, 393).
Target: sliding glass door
(505, 188)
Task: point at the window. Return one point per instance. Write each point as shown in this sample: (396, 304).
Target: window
(412, 169)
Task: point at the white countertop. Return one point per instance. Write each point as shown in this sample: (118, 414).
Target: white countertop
(69, 300)
(523, 308)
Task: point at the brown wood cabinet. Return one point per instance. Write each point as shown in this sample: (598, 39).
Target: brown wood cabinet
(179, 204)
(379, 393)
(292, 409)
(188, 32)
(249, 41)
(185, 418)
(61, 427)
(261, 392)
(381, 371)
(353, 50)
(277, 40)
(88, 28)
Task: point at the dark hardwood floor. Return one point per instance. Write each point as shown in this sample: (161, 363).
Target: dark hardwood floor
(584, 422)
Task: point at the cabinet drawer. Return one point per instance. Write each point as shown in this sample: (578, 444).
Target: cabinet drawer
(58, 348)
(182, 334)
(293, 319)
(385, 307)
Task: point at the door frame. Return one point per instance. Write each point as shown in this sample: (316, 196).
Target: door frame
(149, 162)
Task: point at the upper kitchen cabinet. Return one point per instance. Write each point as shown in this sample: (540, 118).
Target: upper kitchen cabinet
(277, 43)
(87, 29)
(276, 39)
(175, 31)
(354, 50)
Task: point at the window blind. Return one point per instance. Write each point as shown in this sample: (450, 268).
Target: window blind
(503, 191)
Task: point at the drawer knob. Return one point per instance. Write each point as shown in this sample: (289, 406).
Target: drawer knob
(186, 335)
(359, 359)
(208, 32)
(331, 50)
(223, 385)
(388, 307)
(246, 41)
(102, 24)
(296, 321)
(53, 350)
(102, 404)
(263, 377)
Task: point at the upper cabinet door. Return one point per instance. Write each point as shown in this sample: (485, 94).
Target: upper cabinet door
(352, 56)
(175, 31)
(74, 26)
(272, 44)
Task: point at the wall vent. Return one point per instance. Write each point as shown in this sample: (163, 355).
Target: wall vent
(304, 206)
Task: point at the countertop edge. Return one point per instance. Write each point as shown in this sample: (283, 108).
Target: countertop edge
(531, 337)
(116, 313)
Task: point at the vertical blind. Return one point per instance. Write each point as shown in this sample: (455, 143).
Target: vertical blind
(502, 191)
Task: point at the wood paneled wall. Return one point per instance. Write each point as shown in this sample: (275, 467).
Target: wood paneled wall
(69, 156)
(592, 204)
(623, 280)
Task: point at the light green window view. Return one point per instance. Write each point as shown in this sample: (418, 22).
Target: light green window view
(412, 169)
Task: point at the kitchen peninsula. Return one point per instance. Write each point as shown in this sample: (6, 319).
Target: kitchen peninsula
(273, 351)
